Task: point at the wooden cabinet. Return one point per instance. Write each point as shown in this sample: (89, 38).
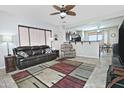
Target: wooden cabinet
(10, 63)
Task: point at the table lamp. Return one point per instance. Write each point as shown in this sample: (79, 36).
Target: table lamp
(7, 39)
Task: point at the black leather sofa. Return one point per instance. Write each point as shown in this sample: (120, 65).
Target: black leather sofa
(34, 55)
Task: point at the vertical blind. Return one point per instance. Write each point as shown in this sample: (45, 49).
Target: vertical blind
(23, 36)
(30, 36)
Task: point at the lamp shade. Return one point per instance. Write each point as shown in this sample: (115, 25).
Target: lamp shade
(7, 38)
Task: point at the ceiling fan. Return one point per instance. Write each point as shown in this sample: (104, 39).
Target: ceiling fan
(64, 10)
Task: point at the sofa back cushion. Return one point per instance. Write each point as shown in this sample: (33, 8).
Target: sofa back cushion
(25, 49)
(22, 54)
(48, 50)
(43, 48)
(36, 50)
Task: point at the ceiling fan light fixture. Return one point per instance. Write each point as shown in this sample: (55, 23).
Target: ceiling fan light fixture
(64, 10)
(62, 14)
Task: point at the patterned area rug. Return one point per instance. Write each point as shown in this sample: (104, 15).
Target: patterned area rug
(69, 82)
(63, 68)
(55, 74)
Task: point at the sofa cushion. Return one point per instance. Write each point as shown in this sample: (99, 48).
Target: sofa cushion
(48, 50)
(35, 57)
(37, 52)
(23, 48)
(26, 49)
(22, 54)
(35, 47)
(44, 46)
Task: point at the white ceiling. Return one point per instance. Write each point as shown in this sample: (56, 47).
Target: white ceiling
(100, 24)
(85, 13)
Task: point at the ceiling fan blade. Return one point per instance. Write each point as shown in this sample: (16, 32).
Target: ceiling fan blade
(55, 13)
(57, 7)
(71, 13)
(69, 7)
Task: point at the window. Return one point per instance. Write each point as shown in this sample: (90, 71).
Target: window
(31, 36)
(94, 37)
(23, 36)
(37, 37)
(100, 37)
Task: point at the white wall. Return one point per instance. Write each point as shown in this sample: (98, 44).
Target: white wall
(9, 25)
(108, 35)
(113, 40)
(87, 49)
(61, 38)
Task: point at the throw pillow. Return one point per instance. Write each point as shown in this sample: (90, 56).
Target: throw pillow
(48, 50)
(22, 53)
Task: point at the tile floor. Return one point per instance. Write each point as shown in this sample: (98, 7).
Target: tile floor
(100, 72)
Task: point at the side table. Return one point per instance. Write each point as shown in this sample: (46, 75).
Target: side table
(10, 63)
